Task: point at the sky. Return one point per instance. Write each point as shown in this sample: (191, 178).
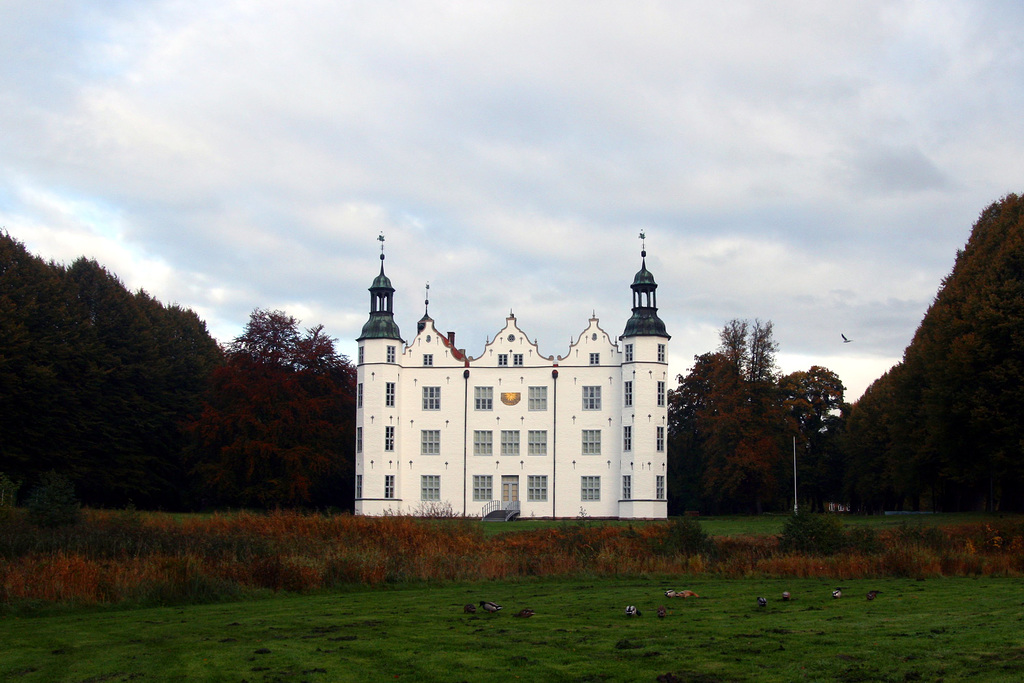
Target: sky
(813, 164)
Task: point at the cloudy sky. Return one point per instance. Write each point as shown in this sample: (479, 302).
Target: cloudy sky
(816, 164)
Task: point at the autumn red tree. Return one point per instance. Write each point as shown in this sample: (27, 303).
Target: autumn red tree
(277, 427)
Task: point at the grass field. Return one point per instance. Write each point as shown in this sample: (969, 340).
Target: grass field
(951, 629)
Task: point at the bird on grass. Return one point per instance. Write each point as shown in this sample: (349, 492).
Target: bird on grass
(632, 611)
(837, 593)
(525, 613)
(469, 609)
(662, 611)
(785, 595)
(491, 607)
(686, 594)
(670, 593)
(872, 594)
(762, 602)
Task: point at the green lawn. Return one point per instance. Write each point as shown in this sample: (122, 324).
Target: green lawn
(948, 629)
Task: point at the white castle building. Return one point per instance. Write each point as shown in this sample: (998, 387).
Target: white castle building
(512, 432)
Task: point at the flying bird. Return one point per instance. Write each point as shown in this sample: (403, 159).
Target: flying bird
(491, 607)
(845, 340)
(632, 611)
(762, 602)
(872, 594)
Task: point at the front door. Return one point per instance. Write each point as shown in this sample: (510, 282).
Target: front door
(509, 488)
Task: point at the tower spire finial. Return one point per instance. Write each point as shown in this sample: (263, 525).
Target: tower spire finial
(643, 244)
(380, 238)
(426, 300)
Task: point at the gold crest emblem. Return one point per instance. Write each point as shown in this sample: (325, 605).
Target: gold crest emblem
(510, 398)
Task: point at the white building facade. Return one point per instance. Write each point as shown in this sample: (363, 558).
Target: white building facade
(512, 431)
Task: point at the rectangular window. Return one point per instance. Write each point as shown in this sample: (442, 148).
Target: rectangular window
(391, 354)
(359, 439)
(361, 355)
(359, 486)
(590, 488)
(428, 359)
(389, 486)
(591, 398)
(661, 394)
(389, 438)
(538, 398)
(659, 486)
(430, 487)
(629, 353)
(627, 487)
(627, 394)
(510, 442)
(502, 360)
(483, 398)
(483, 442)
(389, 394)
(595, 359)
(661, 353)
(538, 442)
(660, 443)
(591, 442)
(537, 487)
(483, 487)
(430, 442)
(359, 395)
(627, 438)
(431, 398)
(517, 360)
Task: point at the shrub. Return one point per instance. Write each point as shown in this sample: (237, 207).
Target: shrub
(817, 534)
(685, 536)
(53, 503)
(8, 494)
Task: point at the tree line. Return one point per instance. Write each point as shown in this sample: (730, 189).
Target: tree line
(135, 403)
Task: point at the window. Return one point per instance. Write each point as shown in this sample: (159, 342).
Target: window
(483, 398)
(389, 486)
(659, 486)
(359, 395)
(483, 487)
(389, 394)
(627, 487)
(389, 438)
(591, 398)
(595, 359)
(661, 353)
(660, 444)
(430, 442)
(391, 354)
(361, 355)
(629, 353)
(538, 398)
(537, 442)
(661, 394)
(428, 359)
(431, 398)
(483, 442)
(627, 394)
(590, 488)
(591, 442)
(510, 442)
(537, 487)
(627, 438)
(502, 360)
(359, 439)
(517, 360)
(430, 487)
(359, 486)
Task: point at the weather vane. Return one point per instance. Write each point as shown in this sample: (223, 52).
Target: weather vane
(643, 243)
(426, 300)
(380, 238)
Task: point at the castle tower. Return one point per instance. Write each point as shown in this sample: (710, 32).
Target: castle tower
(644, 465)
(377, 377)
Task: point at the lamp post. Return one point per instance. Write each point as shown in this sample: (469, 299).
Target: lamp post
(795, 506)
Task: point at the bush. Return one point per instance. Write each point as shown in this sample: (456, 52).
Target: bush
(53, 503)
(686, 536)
(8, 494)
(816, 534)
